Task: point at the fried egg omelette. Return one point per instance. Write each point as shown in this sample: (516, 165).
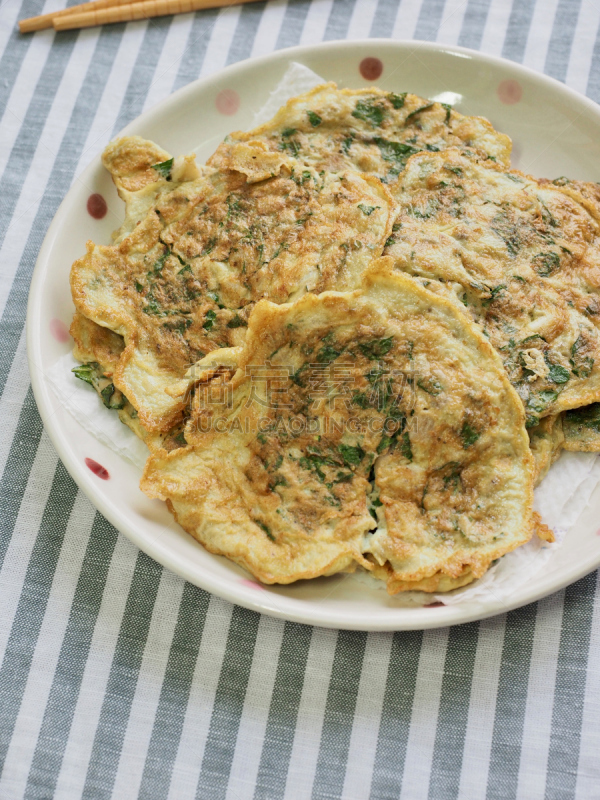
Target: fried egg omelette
(368, 130)
(513, 252)
(390, 438)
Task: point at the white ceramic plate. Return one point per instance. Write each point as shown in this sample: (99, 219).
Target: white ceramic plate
(555, 132)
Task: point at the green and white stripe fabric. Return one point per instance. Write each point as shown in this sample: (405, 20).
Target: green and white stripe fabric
(117, 679)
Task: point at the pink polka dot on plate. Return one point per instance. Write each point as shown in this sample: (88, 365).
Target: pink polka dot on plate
(98, 470)
(510, 92)
(227, 102)
(96, 206)
(252, 584)
(371, 68)
(59, 330)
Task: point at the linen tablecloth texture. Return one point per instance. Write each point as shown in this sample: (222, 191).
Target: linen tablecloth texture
(119, 680)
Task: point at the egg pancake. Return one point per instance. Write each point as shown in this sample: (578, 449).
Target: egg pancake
(512, 252)
(580, 428)
(375, 427)
(572, 262)
(196, 254)
(368, 130)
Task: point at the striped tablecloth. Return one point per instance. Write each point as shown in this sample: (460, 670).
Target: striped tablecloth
(117, 679)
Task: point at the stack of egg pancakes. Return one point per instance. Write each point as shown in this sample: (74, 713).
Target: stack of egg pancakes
(355, 338)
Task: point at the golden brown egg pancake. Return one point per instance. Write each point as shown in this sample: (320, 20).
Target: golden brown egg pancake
(512, 251)
(580, 428)
(367, 130)
(375, 427)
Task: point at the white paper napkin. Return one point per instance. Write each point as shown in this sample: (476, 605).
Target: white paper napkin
(296, 80)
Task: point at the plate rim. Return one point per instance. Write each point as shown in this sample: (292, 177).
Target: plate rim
(422, 618)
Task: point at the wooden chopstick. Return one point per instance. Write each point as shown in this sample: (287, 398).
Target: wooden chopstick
(46, 20)
(104, 12)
